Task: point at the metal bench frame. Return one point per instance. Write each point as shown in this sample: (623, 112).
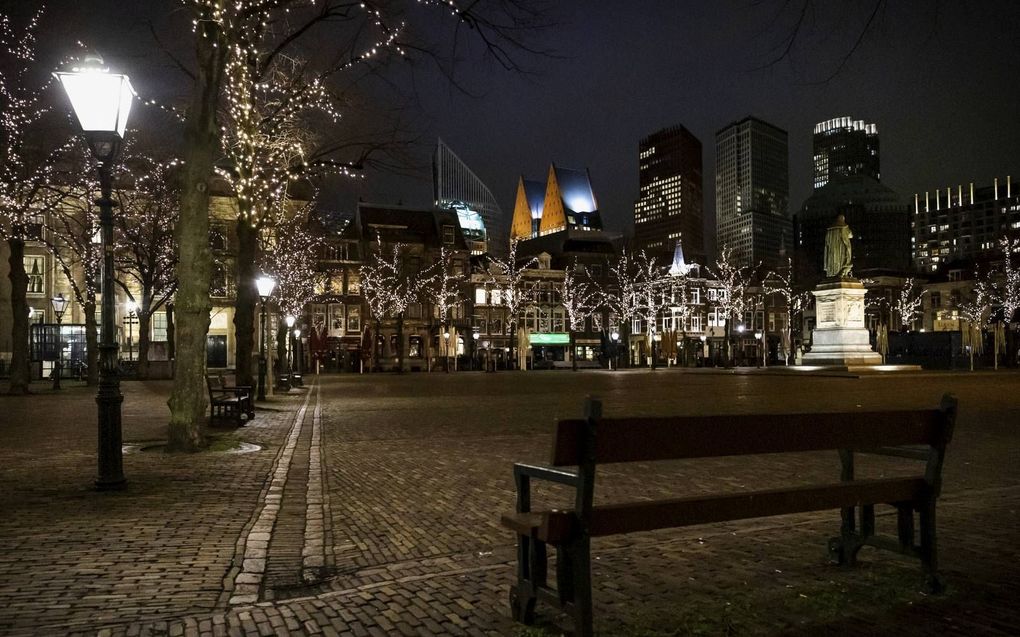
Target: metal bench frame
(919, 435)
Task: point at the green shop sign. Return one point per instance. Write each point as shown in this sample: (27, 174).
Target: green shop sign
(556, 338)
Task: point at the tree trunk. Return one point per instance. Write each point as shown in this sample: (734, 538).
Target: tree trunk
(573, 352)
(511, 362)
(376, 347)
(91, 342)
(188, 399)
(21, 374)
(281, 348)
(171, 353)
(144, 320)
(400, 343)
(245, 300)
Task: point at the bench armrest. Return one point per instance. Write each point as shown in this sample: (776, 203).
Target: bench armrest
(523, 473)
(568, 478)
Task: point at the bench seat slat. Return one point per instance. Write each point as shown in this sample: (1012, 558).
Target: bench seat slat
(556, 526)
(647, 516)
(651, 439)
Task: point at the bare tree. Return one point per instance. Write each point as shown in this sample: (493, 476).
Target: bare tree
(232, 33)
(441, 291)
(652, 283)
(732, 299)
(390, 285)
(621, 295)
(907, 303)
(30, 171)
(146, 250)
(580, 299)
(507, 276)
(780, 282)
(70, 236)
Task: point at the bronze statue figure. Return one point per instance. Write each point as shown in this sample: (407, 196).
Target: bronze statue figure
(838, 253)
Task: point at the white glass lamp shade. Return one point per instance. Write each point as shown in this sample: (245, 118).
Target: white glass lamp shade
(101, 100)
(297, 333)
(290, 321)
(59, 303)
(265, 285)
(131, 307)
(476, 336)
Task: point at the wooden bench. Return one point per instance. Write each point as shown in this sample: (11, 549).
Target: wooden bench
(228, 402)
(585, 443)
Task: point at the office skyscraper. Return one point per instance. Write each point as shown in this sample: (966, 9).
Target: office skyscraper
(844, 147)
(670, 200)
(752, 187)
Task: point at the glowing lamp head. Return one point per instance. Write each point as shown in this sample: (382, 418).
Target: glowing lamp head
(615, 336)
(101, 101)
(740, 328)
(758, 335)
(265, 285)
(290, 320)
(446, 335)
(297, 333)
(131, 307)
(59, 303)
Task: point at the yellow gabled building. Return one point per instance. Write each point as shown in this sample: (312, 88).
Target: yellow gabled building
(566, 201)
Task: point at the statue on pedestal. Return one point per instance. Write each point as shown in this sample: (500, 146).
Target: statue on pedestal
(838, 253)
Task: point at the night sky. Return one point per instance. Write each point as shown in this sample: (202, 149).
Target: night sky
(941, 80)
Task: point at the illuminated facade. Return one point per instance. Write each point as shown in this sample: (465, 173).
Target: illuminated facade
(752, 188)
(568, 204)
(962, 223)
(845, 147)
(670, 202)
(457, 188)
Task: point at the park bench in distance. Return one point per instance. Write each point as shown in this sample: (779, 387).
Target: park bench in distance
(594, 440)
(227, 402)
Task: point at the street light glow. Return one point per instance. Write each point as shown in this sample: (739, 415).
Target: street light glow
(266, 285)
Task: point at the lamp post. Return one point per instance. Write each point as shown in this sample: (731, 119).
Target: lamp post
(704, 350)
(132, 309)
(656, 339)
(289, 320)
(265, 285)
(298, 351)
(102, 103)
(615, 358)
(59, 304)
(758, 337)
(474, 336)
(446, 350)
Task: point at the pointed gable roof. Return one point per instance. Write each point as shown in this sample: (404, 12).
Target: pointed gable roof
(575, 189)
(528, 205)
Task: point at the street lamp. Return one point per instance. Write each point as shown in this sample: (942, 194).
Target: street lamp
(297, 351)
(475, 336)
(615, 336)
(656, 338)
(59, 305)
(758, 336)
(289, 320)
(265, 285)
(131, 308)
(102, 102)
(446, 350)
(704, 350)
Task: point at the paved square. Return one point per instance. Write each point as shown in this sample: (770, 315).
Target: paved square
(374, 509)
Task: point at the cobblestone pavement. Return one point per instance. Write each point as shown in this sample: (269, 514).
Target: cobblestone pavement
(373, 510)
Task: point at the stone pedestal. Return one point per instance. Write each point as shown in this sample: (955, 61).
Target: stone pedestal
(840, 338)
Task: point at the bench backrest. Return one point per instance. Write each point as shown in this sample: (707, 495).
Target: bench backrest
(649, 439)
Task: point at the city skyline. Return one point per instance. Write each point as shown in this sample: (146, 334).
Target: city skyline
(590, 104)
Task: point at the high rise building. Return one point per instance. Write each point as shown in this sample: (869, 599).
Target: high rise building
(845, 147)
(752, 187)
(962, 223)
(457, 188)
(877, 216)
(670, 200)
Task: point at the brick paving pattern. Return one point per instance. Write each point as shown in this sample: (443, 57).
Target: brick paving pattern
(381, 495)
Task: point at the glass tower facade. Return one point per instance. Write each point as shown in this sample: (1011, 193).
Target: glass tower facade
(752, 191)
(845, 147)
(457, 188)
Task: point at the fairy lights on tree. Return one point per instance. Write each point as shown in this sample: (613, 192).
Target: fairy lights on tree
(908, 302)
(147, 196)
(731, 299)
(389, 285)
(30, 167)
(580, 299)
(780, 282)
(507, 277)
